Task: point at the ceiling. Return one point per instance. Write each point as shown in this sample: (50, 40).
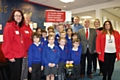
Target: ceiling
(69, 6)
(79, 4)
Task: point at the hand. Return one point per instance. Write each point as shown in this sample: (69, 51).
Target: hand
(67, 62)
(57, 65)
(30, 69)
(25, 57)
(53, 65)
(99, 52)
(71, 62)
(50, 64)
(94, 51)
(12, 60)
(42, 68)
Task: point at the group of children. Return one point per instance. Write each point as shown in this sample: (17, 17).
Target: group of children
(52, 53)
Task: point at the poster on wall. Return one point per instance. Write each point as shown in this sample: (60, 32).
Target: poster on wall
(55, 16)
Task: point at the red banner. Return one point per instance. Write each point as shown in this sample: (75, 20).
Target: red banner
(55, 16)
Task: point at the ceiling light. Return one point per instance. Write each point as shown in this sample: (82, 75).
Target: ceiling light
(67, 1)
(85, 17)
(64, 6)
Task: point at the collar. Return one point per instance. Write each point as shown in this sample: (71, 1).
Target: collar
(75, 49)
(62, 47)
(37, 44)
(77, 25)
(51, 46)
(86, 28)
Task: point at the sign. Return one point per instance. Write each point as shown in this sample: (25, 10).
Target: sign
(55, 16)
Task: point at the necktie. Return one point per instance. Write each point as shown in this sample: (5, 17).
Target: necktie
(87, 34)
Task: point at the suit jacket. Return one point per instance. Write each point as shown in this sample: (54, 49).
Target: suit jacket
(91, 41)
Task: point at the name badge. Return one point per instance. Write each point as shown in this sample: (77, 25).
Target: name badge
(110, 41)
(17, 32)
(27, 32)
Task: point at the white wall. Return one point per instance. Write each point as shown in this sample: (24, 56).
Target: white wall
(114, 19)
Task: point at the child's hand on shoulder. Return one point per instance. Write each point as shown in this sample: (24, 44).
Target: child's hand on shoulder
(30, 69)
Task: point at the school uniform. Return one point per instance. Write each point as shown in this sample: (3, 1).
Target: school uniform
(64, 55)
(44, 41)
(69, 42)
(35, 60)
(75, 56)
(51, 54)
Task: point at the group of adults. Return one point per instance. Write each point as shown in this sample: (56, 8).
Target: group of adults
(103, 43)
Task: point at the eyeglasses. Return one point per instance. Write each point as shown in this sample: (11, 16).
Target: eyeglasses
(17, 16)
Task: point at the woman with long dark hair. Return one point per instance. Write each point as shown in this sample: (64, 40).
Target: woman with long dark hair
(13, 44)
(107, 47)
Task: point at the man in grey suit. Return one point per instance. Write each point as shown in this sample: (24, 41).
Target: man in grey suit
(87, 37)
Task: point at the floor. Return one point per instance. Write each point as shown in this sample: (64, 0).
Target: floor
(116, 73)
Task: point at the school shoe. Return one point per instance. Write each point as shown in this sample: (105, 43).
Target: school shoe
(109, 78)
(82, 76)
(90, 76)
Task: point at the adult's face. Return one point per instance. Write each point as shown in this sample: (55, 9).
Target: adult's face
(76, 20)
(97, 24)
(87, 23)
(60, 28)
(17, 17)
(107, 26)
(27, 18)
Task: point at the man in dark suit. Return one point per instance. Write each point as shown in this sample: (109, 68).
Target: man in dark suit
(87, 37)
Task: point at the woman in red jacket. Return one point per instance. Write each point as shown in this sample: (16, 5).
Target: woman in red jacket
(107, 46)
(27, 33)
(13, 44)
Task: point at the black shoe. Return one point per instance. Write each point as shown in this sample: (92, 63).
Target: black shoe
(104, 78)
(90, 76)
(94, 71)
(109, 78)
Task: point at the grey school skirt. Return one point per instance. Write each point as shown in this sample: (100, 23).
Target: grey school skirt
(50, 70)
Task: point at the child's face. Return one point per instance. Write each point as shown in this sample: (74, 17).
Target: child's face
(63, 35)
(74, 37)
(36, 39)
(62, 42)
(69, 32)
(51, 40)
(39, 31)
(44, 35)
(76, 44)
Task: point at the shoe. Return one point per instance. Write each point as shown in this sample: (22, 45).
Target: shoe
(82, 76)
(100, 74)
(94, 71)
(90, 76)
(109, 78)
(104, 78)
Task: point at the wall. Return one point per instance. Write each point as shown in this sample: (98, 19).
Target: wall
(114, 19)
(37, 11)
